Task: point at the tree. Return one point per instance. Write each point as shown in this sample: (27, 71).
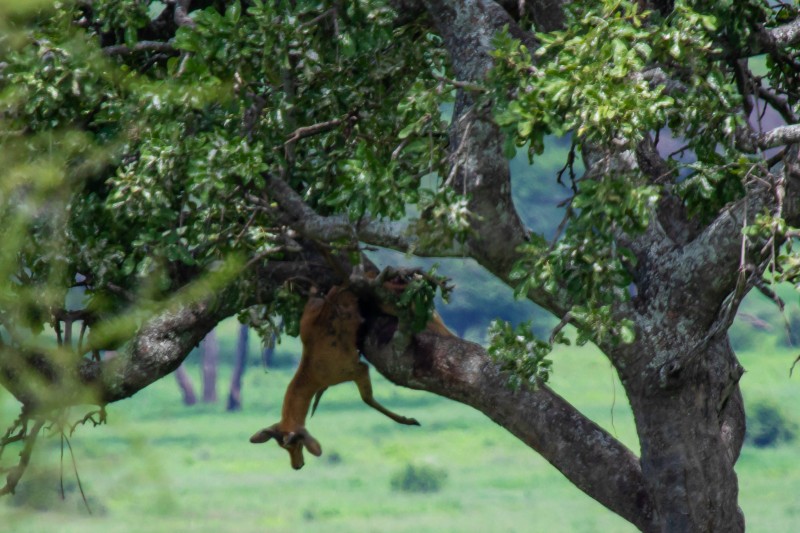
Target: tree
(239, 367)
(185, 385)
(210, 359)
(194, 159)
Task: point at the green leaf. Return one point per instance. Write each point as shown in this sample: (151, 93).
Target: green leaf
(131, 36)
(233, 12)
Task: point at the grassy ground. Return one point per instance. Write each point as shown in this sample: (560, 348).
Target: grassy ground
(159, 466)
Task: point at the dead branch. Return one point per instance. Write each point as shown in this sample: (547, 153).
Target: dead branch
(15, 473)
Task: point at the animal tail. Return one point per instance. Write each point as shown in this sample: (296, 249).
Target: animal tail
(317, 398)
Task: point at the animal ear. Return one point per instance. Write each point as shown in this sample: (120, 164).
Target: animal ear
(311, 444)
(265, 434)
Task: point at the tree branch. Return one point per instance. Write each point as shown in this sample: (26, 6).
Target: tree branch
(156, 348)
(586, 454)
(779, 37)
(181, 16)
(781, 105)
(314, 129)
(779, 136)
(307, 222)
(478, 164)
(141, 46)
(750, 141)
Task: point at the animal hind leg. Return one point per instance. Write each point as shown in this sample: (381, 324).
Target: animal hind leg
(365, 388)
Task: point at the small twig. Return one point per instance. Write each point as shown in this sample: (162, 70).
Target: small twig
(775, 159)
(456, 157)
(267, 253)
(563, 224)
(570, 164)
(309, 131)
(245, 228)
(680, 150)
(182, 67)
(325, 14)
(561, 325)
(781, 105)
(90, 417)
(77, 476)
(468, 86)
(61, 468)
(8, 438)
(116, 289)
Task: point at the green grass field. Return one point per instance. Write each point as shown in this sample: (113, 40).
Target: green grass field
(159, 466)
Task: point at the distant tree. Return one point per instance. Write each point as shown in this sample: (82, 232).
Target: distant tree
(185, 385)
(209, 363)
(239, 366)
(186, 160)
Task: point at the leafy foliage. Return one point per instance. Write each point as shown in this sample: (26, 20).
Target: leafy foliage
(246, 87)
(521, 354)
(593, 81)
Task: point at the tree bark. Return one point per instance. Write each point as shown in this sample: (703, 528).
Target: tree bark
(235, 395)
(691, 428)
(209, 366)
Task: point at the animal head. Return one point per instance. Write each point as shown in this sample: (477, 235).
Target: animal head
(291, 441)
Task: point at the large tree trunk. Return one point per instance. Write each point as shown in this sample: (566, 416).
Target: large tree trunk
(690, 423)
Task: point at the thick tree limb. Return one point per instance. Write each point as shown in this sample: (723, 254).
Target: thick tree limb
(476, 143)
(157, 347)
(592, 459)
(306, 221)
(779, 136)
(780, 36)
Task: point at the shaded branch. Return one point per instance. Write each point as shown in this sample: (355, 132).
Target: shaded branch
(181, 16)
(314, 129)
(141, 46)
(781, 105)
(333, 228)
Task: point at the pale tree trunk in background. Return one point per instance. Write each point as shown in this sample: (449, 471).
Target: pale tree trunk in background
(268, 353)
(185, 384)
(235, 395)
(210, 360)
